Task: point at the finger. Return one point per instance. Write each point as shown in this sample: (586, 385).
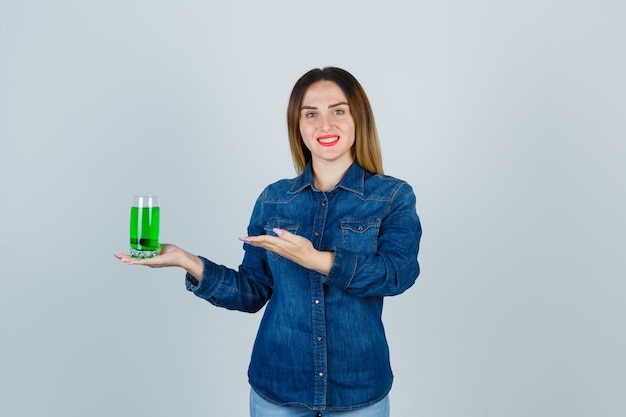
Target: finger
(286, 236)
(127, 259)
(260, 241)
(280, 232)
(122, 257)
(290, 240)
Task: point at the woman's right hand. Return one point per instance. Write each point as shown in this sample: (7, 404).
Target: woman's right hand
(169, 255)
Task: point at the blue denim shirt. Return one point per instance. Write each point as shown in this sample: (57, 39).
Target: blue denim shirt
(321, 341)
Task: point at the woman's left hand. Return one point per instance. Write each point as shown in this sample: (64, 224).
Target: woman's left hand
(295, 248)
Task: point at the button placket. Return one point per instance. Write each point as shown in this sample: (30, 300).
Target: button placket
(317, 307)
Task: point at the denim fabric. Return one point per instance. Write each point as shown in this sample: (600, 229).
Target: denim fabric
(321, 342)
(263, 408)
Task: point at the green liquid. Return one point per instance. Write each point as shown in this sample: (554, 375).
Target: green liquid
(144, 229)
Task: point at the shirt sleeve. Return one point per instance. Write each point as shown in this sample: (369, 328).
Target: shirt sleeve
(229, 288)
(394, 267)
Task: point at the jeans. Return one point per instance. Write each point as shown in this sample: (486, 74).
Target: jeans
(262, 408)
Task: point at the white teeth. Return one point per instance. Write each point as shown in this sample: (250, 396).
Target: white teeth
(329, 140)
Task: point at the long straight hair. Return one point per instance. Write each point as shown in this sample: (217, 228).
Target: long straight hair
(366, 146)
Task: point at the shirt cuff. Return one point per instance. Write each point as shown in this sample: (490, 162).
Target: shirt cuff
(207, 286)
(343, 268)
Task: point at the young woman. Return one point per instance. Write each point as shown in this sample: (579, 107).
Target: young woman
(322, 251)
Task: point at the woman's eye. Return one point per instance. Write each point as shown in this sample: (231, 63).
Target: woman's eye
(309, 115)
(338, 112)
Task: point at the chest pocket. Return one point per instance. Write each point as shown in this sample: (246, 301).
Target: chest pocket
(360, 235)
(270, 225)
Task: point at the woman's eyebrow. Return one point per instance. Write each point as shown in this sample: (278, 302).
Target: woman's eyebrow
(330, 106)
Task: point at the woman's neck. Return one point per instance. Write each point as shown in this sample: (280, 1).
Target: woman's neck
(326, 174)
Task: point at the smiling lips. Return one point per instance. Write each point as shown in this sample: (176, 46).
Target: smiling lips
(328, 140)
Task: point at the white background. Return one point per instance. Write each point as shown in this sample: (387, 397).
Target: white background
(507, 117)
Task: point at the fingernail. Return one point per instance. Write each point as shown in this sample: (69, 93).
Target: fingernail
(245, 239)
(277, 231)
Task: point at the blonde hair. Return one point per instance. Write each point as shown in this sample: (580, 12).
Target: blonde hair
(366, 145)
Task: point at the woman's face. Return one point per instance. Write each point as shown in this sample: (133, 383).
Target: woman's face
(326, 124)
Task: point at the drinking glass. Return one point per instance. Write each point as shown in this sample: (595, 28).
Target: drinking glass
(144, 226)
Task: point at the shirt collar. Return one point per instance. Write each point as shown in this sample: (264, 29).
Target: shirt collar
(353, 180)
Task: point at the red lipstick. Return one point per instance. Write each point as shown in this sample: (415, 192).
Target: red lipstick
(328, 140)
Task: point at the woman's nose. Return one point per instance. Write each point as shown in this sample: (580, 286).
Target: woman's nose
(323, 122)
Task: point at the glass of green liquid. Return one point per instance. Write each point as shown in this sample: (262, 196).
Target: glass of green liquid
(144, 226)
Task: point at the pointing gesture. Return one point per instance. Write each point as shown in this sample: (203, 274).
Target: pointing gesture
(295, 248)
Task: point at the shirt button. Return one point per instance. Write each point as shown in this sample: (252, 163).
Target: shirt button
(323, 204)
(321, 374)
(317, 301)
(319, 338)
(317, 234)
